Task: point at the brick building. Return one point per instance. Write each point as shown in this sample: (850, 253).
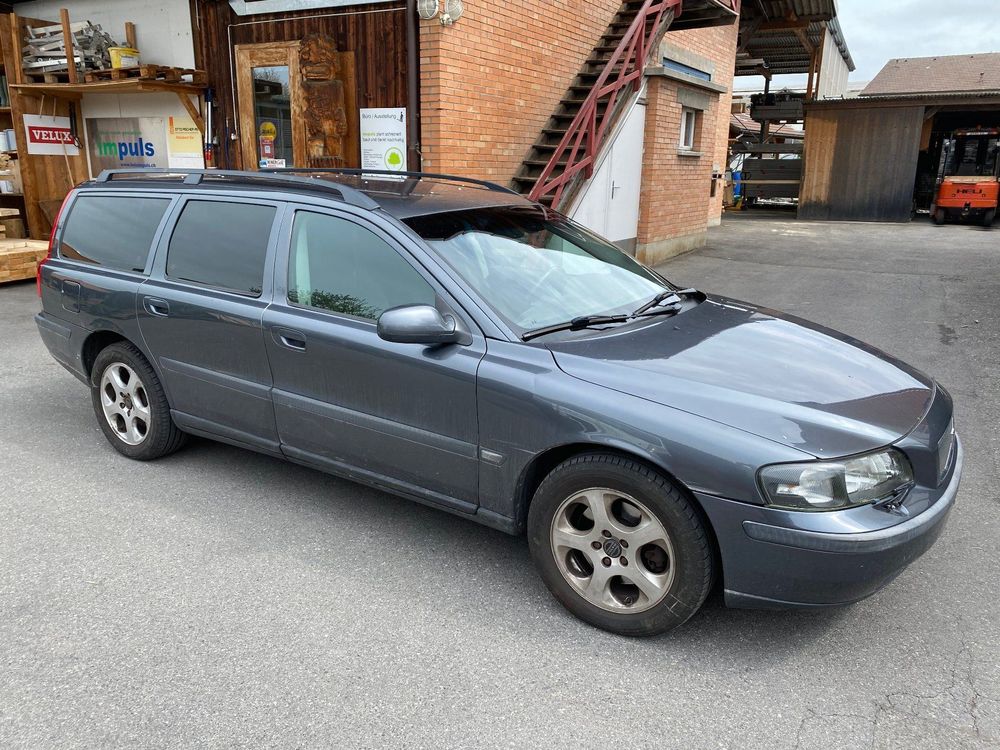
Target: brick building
(502, 91)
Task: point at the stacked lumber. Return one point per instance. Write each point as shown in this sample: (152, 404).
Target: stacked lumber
(44, 49)
(19, 258)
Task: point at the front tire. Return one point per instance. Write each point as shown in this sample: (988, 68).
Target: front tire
(619, 545)
(130, 404)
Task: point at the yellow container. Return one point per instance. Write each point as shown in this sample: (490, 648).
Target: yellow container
(123, 57)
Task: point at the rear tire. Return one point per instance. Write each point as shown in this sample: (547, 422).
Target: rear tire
(988, 217)
(939, 216)
(619, 545)
(130, 405)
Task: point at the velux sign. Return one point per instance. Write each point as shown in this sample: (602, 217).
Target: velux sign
(49, 135)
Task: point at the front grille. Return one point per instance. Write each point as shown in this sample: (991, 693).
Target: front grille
(945, 446)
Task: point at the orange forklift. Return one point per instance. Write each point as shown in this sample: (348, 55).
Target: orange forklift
(968, 180)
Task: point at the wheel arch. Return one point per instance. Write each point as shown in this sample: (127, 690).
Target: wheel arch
(543, 463)
(99, 340)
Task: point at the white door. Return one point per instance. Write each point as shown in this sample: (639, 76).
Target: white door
(609, 203)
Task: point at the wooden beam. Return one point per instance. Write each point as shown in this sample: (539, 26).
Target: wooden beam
(804, 38)
(17, 74)
(130, 35)
(68, 43)
(192, 110)
(747, 31)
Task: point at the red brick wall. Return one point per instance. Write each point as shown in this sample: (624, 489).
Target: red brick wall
(675, 206)
(719, 45)
(490, 81)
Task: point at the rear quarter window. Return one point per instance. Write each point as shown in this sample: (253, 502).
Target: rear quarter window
(112, 230)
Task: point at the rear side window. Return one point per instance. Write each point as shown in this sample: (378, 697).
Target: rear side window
(112, 231)
(221, 245)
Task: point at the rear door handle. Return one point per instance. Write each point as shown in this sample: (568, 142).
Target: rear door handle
(290, 338)
(156, 306)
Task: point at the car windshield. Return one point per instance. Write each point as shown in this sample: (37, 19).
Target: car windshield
(535, 267)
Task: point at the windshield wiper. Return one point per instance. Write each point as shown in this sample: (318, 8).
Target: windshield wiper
(583, 321)
(662, 297)
(588, 321)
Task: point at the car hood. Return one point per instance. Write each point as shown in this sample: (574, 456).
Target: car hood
(760, 371)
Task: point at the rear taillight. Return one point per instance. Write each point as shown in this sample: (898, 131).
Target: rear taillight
(52, 243)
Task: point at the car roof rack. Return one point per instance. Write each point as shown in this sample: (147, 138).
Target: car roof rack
(393, 173)
(349, 195)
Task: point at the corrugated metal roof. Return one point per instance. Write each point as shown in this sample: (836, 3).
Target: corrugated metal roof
(938, 75)
(782, 49)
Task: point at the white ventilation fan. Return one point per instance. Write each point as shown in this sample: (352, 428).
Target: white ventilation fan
(427, 9)
(452, 12)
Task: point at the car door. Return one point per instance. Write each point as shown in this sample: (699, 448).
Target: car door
(200, 315)
(399, 414)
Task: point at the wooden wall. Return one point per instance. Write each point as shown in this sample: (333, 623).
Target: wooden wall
(375, 33)
(860, 162)
(46, 179)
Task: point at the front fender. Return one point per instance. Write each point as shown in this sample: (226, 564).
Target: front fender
(529, 408)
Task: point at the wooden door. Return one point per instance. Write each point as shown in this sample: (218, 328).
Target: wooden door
(270, 114)
(297, 104)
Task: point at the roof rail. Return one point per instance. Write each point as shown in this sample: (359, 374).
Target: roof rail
(348, 194)
(394, 173)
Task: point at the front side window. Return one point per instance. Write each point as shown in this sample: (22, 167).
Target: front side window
(222, 245)
(535, 267)
(112, 230)
(337, 265)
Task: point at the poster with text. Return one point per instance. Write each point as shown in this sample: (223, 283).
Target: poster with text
(123, 142)
(49, 136)
(184, 144)
(383, 138)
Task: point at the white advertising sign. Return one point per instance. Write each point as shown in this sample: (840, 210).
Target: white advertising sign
(48, 135)
(184, 144)
(383, 138)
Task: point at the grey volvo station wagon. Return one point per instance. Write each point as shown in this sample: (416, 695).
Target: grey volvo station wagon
(450, 341)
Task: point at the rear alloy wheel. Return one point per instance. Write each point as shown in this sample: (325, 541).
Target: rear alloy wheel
(130, 404)
(620, 545)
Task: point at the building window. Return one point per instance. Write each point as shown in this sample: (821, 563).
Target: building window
(689, 129)
(687, 70)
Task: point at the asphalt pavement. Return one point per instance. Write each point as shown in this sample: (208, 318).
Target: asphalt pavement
(219, 598)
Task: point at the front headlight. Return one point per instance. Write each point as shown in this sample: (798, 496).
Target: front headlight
(832, 485)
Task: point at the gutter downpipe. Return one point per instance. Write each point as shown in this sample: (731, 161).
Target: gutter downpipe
(413, 87)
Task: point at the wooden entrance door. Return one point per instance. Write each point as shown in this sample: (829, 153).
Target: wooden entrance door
(297, 104)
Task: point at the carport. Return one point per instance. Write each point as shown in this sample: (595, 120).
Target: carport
(781, 37)
(877, 157)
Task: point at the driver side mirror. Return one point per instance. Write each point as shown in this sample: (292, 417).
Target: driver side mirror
(420, 324)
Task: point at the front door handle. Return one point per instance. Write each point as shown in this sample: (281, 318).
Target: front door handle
(290, 338)
(156, 306)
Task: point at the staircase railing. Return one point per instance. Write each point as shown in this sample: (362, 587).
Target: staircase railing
(581, 144)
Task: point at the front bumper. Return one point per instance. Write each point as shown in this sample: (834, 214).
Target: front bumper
(769, 563)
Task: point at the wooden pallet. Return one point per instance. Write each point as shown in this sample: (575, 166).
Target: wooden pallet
(148, 73)
(19, 258)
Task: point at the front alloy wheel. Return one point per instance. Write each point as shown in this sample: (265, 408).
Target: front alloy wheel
(620, 545)
(613, 550)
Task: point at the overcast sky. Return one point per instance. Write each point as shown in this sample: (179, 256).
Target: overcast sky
(878, 30)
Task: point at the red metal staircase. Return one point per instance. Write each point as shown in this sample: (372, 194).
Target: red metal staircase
(568, 148)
